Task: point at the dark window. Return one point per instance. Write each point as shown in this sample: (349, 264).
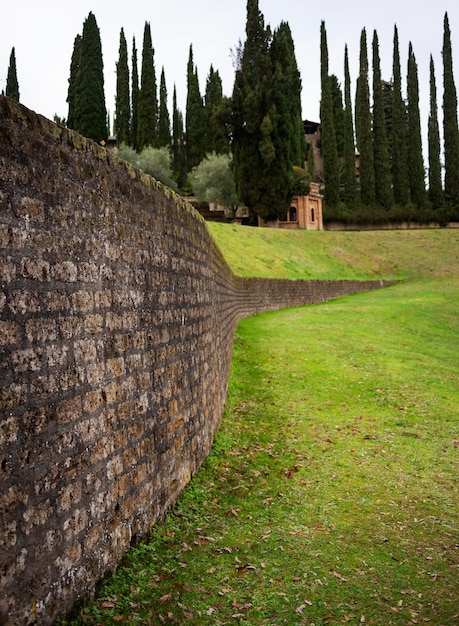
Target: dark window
(292, 216)
(313, 216)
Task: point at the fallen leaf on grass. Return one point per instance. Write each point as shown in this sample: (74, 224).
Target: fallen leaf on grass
(300, 609)
(107, 605)
(166, 597)
(338, 575)
(242, 607)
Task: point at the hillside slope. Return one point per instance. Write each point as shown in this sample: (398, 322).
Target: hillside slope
(415, 254)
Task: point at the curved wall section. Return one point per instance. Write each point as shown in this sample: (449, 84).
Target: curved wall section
(117, 317)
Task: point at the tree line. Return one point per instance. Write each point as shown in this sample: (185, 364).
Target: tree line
(250, 148)
(384, 138)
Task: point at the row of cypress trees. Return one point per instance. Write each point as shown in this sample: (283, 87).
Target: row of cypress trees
(261, 124)
(142, 118)
(387, 137)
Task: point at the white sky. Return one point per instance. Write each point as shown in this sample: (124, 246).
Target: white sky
(43, 32)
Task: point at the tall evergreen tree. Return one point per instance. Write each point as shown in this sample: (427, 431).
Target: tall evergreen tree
(12, 85)
(90, 110)
(310, 162)
(338, 114)
(350, 187)
(288, 85)
(195, 120)
(450, 123)
(383, 182)
(134, 96)
(72, 94)
(147, 107)
(164, 121)
(216, 136)
(327, 128)
(435, 184)
(363, 124)
(178, 144)
(416, 175)
(280, 146)
(388, 97)
(252, 147)
(123, 97)
(399, 161)
(265, 125)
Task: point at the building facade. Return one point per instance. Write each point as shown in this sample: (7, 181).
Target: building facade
(305, 212)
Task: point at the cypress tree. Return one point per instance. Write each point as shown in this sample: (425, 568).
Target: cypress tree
(252, 152)
(12, 85)
(195, 120)
(280, 147)
(416, 174)
(363, 129)
(327, 128)
(383, 183)
(350, 187)
(178, 144)
(450, 124)
(388, 97)
(338, 114)
(164, 122)
(73, 82)
(123, 98)
(310, 162)
(399, 133)
(90, 111)
(134, 96)
(265, 134)
(147, 107)
(288, 85)
(435, 184)
(216, 137)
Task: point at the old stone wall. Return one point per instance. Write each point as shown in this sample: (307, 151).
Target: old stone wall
(117, 316)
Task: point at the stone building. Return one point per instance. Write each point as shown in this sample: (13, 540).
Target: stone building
(305, 212)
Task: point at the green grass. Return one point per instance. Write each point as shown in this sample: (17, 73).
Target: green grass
(310, 254)
(331, 495)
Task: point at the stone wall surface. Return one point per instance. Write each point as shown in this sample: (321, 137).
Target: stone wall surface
(117, 316)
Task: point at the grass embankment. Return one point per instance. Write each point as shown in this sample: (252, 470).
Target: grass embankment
(277, 253)
(331, 495)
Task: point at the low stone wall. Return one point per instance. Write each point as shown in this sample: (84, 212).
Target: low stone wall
(389, 226)
(117, 317)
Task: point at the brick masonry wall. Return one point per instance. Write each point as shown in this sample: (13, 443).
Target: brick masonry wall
(117, 316)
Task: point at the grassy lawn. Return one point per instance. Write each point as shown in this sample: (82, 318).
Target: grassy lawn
(308, 254)
(331, 495)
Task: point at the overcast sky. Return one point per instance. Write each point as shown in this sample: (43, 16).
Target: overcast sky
(43, 33)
